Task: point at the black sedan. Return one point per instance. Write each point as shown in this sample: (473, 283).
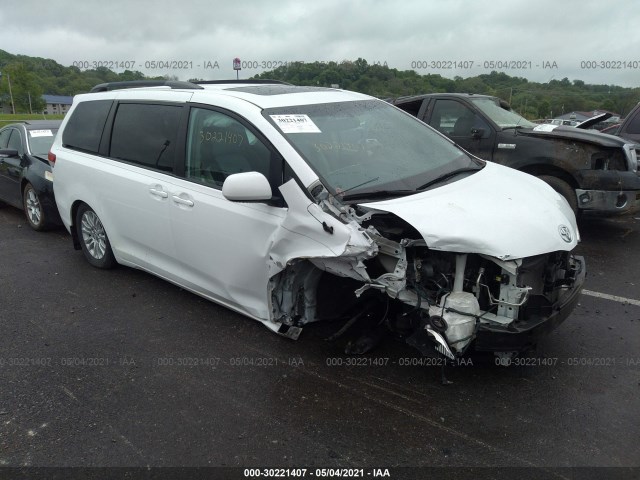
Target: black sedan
(26, 180)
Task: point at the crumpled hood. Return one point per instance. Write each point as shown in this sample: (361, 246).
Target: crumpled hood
(498, 211)
(573, 134)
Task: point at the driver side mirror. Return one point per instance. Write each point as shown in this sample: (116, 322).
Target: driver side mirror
(8, 152)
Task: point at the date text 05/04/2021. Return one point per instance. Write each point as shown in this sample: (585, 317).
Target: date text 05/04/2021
(317, 473)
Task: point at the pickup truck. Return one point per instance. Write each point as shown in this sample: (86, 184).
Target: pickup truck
(595, 172)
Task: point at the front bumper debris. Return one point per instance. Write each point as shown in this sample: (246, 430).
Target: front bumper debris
(525, 334)
(602, 201)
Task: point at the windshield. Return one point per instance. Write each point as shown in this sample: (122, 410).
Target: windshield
(503, 118)
(40, 141)
(368, 146)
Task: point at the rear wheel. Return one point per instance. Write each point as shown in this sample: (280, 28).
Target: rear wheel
(33, 208)
(564, 189)
(93, 238)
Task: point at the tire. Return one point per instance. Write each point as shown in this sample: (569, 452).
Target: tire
(564, 189)
(93, 238)
(33, 209)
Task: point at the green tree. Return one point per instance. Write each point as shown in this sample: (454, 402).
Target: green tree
(31, 77)
(544, 109)
(25, 89)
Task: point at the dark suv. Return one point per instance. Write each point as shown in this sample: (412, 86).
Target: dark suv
(595, 172)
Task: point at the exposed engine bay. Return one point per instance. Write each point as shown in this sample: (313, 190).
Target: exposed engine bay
(434, 299)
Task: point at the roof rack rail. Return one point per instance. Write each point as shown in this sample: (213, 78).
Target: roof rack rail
(254, 81)
(104, 87)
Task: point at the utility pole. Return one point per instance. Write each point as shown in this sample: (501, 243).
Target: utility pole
(13, 106)
(30, 109)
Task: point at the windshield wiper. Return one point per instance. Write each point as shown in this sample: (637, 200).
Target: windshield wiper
(447, 176)
(359, 185)
(378, 194)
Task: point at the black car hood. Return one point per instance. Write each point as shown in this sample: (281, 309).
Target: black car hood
(572, 133)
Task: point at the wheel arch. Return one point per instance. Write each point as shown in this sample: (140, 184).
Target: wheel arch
(73, 230)
(23, 184)
(551, 170)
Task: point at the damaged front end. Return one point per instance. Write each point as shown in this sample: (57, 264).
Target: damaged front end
(397, 230)
(452, 301)
(437, 300)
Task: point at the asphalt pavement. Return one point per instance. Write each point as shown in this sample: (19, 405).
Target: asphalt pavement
(122, 369)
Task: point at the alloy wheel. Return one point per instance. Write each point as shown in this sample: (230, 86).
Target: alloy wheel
(93, 235)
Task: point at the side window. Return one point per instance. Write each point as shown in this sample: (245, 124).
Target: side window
(4, 137)
(634, 124)
(146, 134)
(411, 107)
(219, 145)
(84, 128)
(15, 141)
(455, 119)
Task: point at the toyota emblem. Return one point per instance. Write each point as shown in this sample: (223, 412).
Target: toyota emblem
(565, 233)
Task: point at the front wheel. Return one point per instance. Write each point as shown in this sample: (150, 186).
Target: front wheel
(564, 189)
(33, 208)
(93, 238)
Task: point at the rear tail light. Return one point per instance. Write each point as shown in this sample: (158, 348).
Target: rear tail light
(51, 157)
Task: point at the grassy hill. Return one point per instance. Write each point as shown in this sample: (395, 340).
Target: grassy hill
(35, 76)
(32, 77)
(531, 99)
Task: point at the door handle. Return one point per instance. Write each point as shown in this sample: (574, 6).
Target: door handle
(158, 193)
(182, 201)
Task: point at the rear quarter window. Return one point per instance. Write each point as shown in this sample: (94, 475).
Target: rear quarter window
(84, 129)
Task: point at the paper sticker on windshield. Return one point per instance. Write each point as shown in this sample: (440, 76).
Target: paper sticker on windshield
(40, 133)
(545, 128)
(295, 124)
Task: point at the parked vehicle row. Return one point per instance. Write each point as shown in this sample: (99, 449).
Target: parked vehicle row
(292, 205)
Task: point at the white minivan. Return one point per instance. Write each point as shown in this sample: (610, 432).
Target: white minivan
(297, 204)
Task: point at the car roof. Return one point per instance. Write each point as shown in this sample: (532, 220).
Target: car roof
(36, 124)
(442, 94)
(262, 95)
(270, 96)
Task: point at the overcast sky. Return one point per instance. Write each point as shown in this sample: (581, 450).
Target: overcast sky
(594, 41)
